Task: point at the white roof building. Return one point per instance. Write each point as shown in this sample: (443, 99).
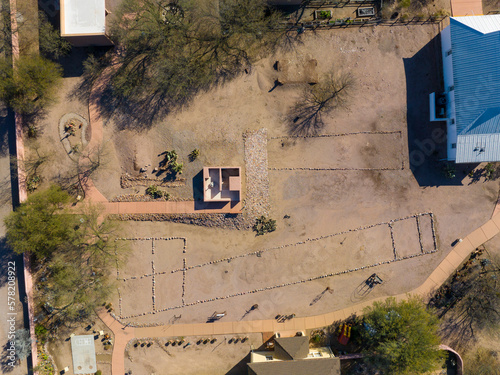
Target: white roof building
(83, 23)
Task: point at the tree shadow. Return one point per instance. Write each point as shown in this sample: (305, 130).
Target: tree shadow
(7, 365)
(468, 302)
(305, 119)
(6, 256)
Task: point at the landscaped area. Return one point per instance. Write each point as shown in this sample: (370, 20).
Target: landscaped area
(252, 197)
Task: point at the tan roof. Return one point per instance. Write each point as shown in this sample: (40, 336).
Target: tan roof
(313, 366)
(292, 347)
(466, 8)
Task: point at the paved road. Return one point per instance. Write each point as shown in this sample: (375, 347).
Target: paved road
(7, 259)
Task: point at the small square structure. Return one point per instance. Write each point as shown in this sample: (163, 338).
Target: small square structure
(83, 23)
(221, 184)
(83, 353)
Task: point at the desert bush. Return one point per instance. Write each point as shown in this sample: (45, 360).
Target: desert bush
(264, 225)
(177, 167)
(32, 183)
(34, 85)
(156, 193)
(193, 155)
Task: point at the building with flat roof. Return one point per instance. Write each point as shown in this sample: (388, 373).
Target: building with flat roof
(83, 23)
(470, 103)
(292, 356)
(83, 353)
(221, 184)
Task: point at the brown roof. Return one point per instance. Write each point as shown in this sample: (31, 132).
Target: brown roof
(320, 366)
(287, 348)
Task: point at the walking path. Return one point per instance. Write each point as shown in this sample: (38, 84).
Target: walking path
(449, 264)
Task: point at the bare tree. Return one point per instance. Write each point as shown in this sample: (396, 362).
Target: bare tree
(470, 302)
(85, 166)
(331, 93)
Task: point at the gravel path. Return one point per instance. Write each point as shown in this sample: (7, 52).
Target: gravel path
(256, 202)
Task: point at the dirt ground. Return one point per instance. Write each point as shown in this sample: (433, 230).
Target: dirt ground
(60, 349)
(220, 357)
(490, 339)
(318, 203)
(491, 6)
(394, 69)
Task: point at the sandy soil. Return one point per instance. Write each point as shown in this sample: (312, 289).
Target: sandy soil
(491, 6)
(221, 357)
(395, 68)
(391, 66)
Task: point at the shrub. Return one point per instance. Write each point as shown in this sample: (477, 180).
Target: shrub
(32, 183)
(98, 372)
(177, 167)
(449, 171)
(489, 169)
(404, 3)
(156, 193)
(324, 14)
(33, 87)
(41, 333)
(264, 225)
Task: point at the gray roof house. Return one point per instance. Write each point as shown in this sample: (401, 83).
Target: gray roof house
(292, 356)
(470, 104)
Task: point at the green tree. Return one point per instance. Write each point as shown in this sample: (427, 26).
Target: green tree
(41, 225)
(31, 87)
(52, 45)
(401, 338)
(74, 253)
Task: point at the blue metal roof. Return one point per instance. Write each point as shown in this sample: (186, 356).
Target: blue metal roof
(476, 75)
(488, 122)
(476, 72)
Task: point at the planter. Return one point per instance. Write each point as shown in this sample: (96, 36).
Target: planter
(322, 14)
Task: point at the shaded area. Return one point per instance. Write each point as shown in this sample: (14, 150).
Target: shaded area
(8, 147)
(468, 303)
(427, 140)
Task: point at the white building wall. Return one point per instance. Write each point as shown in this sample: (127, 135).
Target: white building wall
(451, 126)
